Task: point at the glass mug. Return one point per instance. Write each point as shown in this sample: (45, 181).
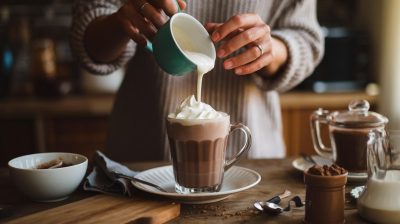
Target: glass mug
(198, 150)
(348, 132)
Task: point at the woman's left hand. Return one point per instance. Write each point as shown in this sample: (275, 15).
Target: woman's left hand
(263, 52)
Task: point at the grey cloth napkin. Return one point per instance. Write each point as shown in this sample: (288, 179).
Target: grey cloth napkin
(102, 179)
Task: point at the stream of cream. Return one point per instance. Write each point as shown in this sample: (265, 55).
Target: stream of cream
(204, 64)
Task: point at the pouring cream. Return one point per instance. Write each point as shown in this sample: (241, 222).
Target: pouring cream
(204, 64)
(203, 61)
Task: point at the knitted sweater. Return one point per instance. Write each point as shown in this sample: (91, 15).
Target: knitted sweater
(148, 94)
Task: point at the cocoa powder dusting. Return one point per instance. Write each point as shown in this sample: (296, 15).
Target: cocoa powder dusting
(217, 211)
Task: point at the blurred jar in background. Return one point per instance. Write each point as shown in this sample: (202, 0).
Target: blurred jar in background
(19, 37)
(46, 80)
(6, 62)
(6, 54)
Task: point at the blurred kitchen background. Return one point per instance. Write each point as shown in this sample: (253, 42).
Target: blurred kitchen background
(47, 103)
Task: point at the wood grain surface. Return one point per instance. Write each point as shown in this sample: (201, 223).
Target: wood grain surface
(106, 209)
(276, 176)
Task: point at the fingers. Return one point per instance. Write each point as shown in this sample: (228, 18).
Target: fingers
(170, 7)
(133, 33)
(127, 13)
(148, 11)
(239, 21)
(141, 18)
(133, 19)
(182, 4)
(210, 27)
(254, 66)
(242, 39)
(251, 54)
(245, 31)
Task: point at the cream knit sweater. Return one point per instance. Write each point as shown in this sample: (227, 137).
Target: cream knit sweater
(147, 94)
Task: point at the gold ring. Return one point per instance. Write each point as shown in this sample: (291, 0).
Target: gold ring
(260, 48)
(142, 7)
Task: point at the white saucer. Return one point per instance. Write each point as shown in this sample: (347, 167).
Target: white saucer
(236, 179)
(302, 165)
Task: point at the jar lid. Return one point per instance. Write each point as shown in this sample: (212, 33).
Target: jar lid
(358, 116)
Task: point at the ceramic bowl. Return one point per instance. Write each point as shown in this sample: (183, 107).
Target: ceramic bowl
(48, 184)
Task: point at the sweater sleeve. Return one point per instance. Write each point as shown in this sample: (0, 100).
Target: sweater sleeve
(84, 12)
(298, 28)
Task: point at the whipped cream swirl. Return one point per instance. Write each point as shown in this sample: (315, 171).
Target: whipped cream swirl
(190, 108)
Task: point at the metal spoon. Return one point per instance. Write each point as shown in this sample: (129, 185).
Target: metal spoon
(120, 175)
(270, 208)
(308, 158)
(274, 209)
(277, 199)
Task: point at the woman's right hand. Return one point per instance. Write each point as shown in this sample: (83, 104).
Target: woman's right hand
(140, 19)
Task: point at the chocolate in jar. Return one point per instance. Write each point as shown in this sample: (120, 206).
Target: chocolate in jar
(351, 148)
(325, 194)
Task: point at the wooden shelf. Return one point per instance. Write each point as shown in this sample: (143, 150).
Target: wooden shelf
(310, 100)
(73, 105)
(102, 104)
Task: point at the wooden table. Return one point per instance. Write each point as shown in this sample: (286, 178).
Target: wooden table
(276, 174)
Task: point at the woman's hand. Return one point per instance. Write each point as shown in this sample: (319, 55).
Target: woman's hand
(140, 19)
(263, 54)
(106, 37)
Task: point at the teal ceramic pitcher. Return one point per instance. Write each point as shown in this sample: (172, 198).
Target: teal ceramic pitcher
(182, 32)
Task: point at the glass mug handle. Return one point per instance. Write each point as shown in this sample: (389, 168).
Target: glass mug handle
(319, 116)
(372, 151)
(246, 146)
(378, 153)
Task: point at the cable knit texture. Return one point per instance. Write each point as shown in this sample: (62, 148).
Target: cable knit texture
(84, 13)
(147, 94)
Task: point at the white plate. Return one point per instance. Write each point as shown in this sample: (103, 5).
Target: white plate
(236, 179)
(302, 165)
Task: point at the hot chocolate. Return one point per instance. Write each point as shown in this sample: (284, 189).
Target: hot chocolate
(198, 151)
(198, 137)
(351, 148)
